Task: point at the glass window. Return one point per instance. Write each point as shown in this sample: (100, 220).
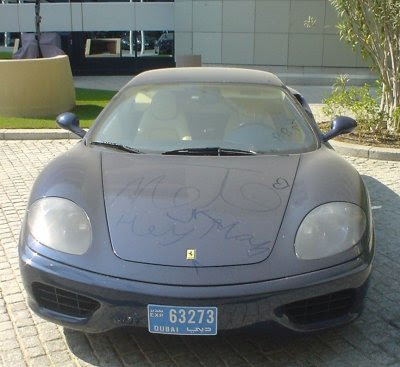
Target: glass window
(9, 43)
(129, 44)
(159, 118)
(164, 45)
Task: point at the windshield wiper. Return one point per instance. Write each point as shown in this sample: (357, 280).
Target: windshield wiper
(209, 151)
(122, 147)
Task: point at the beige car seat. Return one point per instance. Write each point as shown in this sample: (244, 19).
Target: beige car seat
(163, 120)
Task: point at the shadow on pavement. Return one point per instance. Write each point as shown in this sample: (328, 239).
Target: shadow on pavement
(383, 298)
(386, 213)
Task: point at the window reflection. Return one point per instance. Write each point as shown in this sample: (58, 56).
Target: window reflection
(129, 44)
(119, 1)
(104, 52)
(8, 39)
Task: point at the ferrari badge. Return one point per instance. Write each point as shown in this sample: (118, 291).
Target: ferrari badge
(191, 254)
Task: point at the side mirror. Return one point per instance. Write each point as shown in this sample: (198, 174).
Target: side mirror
(340, 125)
(70, 122)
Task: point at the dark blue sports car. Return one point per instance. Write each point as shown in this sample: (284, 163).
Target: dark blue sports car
(201, 199)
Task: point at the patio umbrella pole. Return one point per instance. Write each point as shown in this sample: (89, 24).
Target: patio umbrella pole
(38, 19)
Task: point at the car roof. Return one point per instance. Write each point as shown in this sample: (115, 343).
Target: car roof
(205, 75)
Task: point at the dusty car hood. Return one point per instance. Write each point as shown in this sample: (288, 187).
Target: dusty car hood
(228, 209)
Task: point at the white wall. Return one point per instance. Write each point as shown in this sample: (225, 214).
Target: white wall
(262, 32)
(66, 17)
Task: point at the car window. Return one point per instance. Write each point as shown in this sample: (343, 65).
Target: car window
(166, 36)
(160, 118)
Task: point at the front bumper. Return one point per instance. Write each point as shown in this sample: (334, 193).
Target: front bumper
(122, 302)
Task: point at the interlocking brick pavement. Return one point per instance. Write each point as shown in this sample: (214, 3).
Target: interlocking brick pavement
(25, 339)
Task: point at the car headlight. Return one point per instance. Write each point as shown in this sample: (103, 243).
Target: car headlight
(60, 224)
(329, 230)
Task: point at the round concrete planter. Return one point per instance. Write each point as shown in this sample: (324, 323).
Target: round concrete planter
(36, 87)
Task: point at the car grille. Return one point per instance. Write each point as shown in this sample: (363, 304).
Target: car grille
(321, 308)
(64, 302)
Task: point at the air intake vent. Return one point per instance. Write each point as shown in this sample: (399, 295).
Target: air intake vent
(64, 302)
(321, 308)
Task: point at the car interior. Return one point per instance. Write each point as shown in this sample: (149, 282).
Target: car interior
(205, 115)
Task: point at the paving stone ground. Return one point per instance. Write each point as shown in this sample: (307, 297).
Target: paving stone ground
(27, 340)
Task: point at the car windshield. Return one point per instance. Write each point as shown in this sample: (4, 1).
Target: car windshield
(204, 117)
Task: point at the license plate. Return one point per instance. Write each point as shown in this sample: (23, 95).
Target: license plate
(180, 320)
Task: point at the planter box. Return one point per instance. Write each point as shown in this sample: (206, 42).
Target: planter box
(36, 87)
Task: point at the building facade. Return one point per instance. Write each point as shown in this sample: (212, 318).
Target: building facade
(262, 32)
(122, 37)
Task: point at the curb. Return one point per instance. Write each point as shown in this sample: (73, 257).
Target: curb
(369, 152)
(36, 134)
(354, 150)
(308, 79)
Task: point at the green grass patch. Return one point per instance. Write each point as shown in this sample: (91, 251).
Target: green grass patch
(5, 55)
(89, 103)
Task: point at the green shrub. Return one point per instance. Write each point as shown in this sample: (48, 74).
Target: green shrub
(356, 101)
